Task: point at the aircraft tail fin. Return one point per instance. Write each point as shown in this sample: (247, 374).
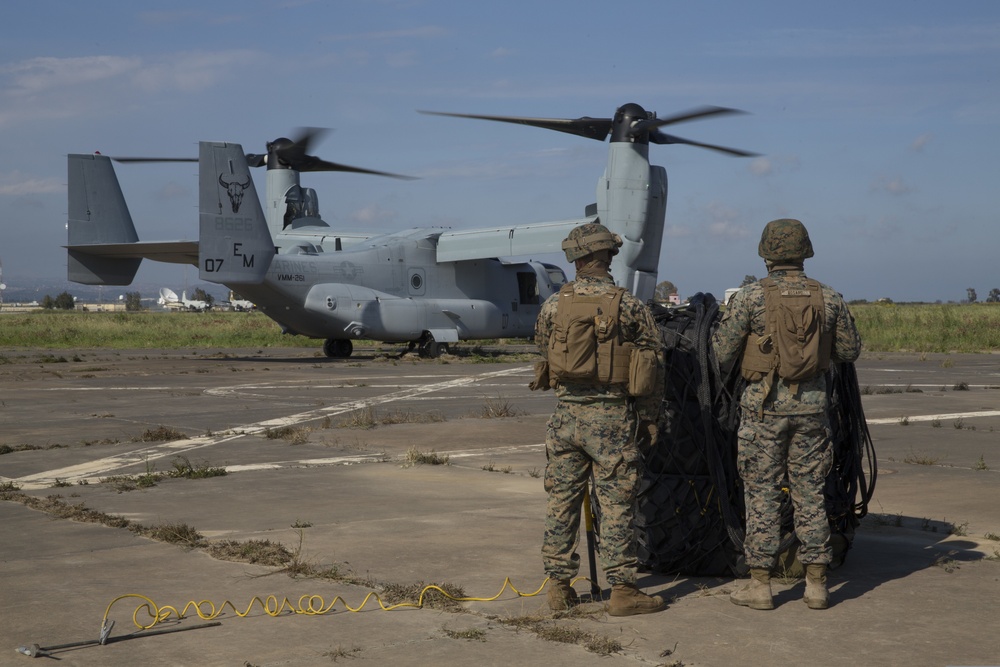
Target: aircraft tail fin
(98, 215)
(235, 246)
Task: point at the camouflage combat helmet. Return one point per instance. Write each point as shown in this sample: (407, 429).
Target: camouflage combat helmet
(588, 239)
(785, 240)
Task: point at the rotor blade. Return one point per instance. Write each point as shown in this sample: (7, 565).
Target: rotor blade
(312, 163)
(693, 114)
(589, 128)
(305, 138)
(154, 159)
(658, 137)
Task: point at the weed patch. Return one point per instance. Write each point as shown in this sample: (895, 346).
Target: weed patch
(173, 533)
(295, 435)
(126, 483)
(414, 456)
(184, 469)
(920, 459)
(474, 634)
(368, 417)
(159, 434)
(341, 652)
(546, 629)
(498, 408)
(10, 449)
(256, 552)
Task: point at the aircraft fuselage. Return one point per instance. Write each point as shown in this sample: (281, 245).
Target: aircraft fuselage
(392, 288)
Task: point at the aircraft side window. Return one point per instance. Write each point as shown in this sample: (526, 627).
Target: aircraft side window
(527, 287)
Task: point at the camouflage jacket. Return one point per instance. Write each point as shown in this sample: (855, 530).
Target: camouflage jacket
(636, 324)
(745, 315)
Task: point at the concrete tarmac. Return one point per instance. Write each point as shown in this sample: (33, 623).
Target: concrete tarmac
(320, 459)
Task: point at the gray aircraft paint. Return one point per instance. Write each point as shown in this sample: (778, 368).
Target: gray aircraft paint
(427, 285)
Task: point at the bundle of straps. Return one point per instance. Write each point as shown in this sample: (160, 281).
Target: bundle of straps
(691, 515)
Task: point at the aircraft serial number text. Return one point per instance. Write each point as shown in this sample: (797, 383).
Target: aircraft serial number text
(231, 224)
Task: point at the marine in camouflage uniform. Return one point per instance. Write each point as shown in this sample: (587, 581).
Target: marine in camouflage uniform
(593, 430)
(784, 431)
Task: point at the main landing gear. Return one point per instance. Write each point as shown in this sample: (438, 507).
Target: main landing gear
(428, 347)
(337, 348)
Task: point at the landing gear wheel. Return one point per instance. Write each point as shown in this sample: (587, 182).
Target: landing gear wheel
(433, 349)
(337, 348)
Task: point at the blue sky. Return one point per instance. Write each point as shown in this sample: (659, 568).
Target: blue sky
(878, 123)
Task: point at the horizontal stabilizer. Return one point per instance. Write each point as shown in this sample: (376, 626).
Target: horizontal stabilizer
(533, 239)
(171, 252)
(97, 270)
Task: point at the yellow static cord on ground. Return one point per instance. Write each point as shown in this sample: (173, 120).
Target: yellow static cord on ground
(308, 605)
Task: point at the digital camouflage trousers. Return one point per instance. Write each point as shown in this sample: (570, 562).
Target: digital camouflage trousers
(599, 438)
(778, 452)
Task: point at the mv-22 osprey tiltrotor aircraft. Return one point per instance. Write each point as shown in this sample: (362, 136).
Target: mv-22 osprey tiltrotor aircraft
(426, 287)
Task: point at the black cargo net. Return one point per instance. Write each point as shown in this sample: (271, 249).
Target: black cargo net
(691, 516)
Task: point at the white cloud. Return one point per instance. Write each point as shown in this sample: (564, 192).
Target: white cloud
(722, 222)
(37, 75)
(59, 88)
(677, 231)
(172, 191)
(193, 71)
(771, 165)
(421, 32)
(17, 184)
(761, 166)
(921, 141)
(894, 186)
(892, 41)
(372, 214)
(886, 227)
(401, 59)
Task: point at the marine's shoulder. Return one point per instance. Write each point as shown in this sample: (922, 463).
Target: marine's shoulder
(749, 294)
(593, 285)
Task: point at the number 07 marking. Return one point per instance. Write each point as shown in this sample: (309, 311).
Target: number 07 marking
(213, 265)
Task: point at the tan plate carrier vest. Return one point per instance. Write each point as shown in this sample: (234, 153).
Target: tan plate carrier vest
(795, 345)
(586, 347)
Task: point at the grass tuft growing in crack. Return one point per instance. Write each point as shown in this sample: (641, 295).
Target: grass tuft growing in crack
(256, 552)
(414, 457)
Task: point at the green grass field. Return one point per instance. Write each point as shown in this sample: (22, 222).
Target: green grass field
(884, 328)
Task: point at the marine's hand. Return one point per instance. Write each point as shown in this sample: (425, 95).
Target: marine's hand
(647, 435)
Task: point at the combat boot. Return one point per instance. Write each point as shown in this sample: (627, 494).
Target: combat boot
(627, 600)
(561, 595)
(757, 594)
(816, 595)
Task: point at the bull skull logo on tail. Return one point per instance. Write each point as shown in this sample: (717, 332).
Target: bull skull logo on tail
(235, 190)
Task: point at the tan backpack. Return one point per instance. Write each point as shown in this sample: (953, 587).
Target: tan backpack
(584, 343)
(795, 345)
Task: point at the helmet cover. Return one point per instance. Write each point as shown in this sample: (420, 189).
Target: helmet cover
(590, 238)
(785, 239)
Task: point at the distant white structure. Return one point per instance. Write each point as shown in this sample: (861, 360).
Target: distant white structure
(729, 295)
(169, 300)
